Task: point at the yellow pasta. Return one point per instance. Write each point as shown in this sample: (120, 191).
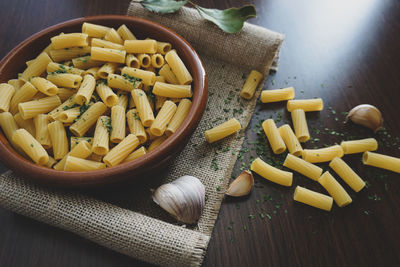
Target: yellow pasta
(59, 139)
(32, 108)
(180, 115)
(156, 142)
(140, 46)
(271, 173)
(42, 135)
(107, 54)
(157, 60)
(76, 140)
(113, 36)
(69, 40)
(44, 86)
(359, 146)
(65, 80)
(163, 118)
(77, 164)
(94, 30)
(30, 146)
(322, 154)
(82, 150)
(144, 109)
(290, 140)
(16, 83)
(163, 47)
(107, 95)
(118, 153)
(68, 115)
(122, 82)
(144, 60)
(26, 124)
(56, 67)
(125, 33)
(251, 84)
(147, 77)
(274, 138)
(93, 72)
(101, 136)
(381, 161)
(87, 119)
(135, 125)
(107, 69)
(51, 162)
(132, 61)
(167, 73)
(223, 130)
(9, 126)
(67, 104)
(36, 68)
(313, 198)
(178, 67)
(306, 104)
(300, 125)
(68, 54)
(86, 62)
(24, 94)
(301, 166)
(65, 93)
(86, 89)
(172, 90)
(106, 44)
(6, 93)
(136, 154)
(122, 99)
(159, 101)
(277, 95)
(347, 174)
(117, 124)
(334, 189)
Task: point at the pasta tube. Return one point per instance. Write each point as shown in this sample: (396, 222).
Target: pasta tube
(24, 94)
(132, 61)
(106, 44)
(113, 36)
(359, 146)
(156, 143)
(163, 47)
(117, 124)
(107, 69)
(301, 166)
(274, 138)
(37, 67)
(26, 124)
(30, 146)
(122, 99)
(87, 119)
(381, 161)
(16, 83)
(42, 135)
(135, 125)
(136, 154)
(143, 107)
(68, 54)
(300, 125)
(65, 80)
(313, 198)
(59, 139)
(167, 73)
(271, 173)
(347, 174)
(51, 162)
(178, 67)
(223, 130)
(60, 68)
(69, 115)
(6, 93)
(107, 95)
(125, 33)
(140, 46)
(122, 82)
(334, 189)
(144, 60)
(86, 89)
(306, 104)
(76, 140)
(157, 60)
(180, 115)
(67, 104)
(147, 77)
(277, 95)
(74, 164)
(69, 40)
(94, 30)
(172, 90)
(118, 153)
(159, 102)
(93, 72)
(65, 93)
(32, 108)
(251, 84)
(150, 135)
(107, 54)
(81, 150)
(322, 154)
(163, 118)
(44, 86)
(9, 126)
(101, 136)
(290, 140)
(86, 62)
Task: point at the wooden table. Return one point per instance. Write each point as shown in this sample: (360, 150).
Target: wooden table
(346, 53)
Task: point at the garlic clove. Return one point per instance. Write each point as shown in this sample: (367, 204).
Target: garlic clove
(366, 115)
(241, 186)
(183, 198)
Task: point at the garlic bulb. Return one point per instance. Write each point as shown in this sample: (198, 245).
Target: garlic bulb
(366, 115)
(183, 198)
(241, 186)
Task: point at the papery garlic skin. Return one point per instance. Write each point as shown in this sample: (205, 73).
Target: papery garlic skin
(183, 198)
(241, 186)
(366, 115)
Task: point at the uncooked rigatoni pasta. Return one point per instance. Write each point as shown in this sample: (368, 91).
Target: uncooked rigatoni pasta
(274, 138)
(300, 125)
(315, 104)
(347, 174)
(223, 130)
(277, 95)
(381, 161)
(313, 198)
(301, 166)
(334, 189)
(290, 139)
(359, 146)
(322, 154)
(271, 173)
(251, 84)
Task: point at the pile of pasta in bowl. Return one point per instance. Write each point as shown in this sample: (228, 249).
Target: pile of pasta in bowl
(95, 99)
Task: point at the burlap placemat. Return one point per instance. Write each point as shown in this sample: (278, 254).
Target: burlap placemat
(129, 222)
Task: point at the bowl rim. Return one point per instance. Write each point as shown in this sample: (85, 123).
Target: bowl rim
(13, 160)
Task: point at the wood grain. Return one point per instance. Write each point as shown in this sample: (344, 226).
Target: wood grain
(345, 53)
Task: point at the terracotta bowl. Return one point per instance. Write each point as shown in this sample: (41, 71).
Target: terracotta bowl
(14, 63)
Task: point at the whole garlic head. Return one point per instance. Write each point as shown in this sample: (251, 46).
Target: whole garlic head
(366, 115)
(183, 198)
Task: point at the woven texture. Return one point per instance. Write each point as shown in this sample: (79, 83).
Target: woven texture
(130, 222)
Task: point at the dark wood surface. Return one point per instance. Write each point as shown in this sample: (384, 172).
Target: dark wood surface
(345, 52)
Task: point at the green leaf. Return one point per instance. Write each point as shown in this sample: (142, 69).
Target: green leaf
(229, 20)
(163, 6)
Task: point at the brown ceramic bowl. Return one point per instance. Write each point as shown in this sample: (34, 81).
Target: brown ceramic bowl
(14, 63)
